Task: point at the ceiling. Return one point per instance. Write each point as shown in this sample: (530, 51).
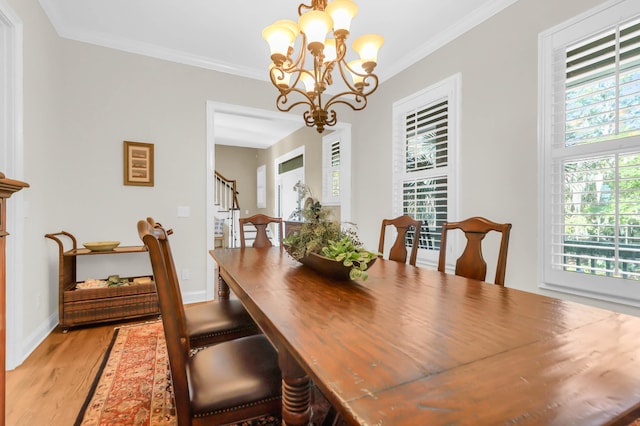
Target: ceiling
(226, 36)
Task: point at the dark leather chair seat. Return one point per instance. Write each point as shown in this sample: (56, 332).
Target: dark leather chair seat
(211, 321)
(235, 374)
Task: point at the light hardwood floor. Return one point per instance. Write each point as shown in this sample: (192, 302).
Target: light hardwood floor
(50, 387)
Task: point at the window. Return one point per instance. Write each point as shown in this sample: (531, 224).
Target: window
(261, 189)
(424, 158)
(331, 164)
(590, 118)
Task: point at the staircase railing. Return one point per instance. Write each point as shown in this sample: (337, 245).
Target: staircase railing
(226, 193)
(226, 200)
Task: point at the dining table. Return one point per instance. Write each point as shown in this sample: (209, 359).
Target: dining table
(414, 346)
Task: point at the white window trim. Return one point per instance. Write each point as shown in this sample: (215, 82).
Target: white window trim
(451, 88)
(597, 287)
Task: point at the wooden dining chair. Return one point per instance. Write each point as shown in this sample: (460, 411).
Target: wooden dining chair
(398, 250)
(211, 322)
(471, 264)
(229, 382)
(260, 221)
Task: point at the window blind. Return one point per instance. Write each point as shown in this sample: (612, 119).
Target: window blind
(426, 137)
(426, 200)
(595, 189)
(425, 187)
(603, 86)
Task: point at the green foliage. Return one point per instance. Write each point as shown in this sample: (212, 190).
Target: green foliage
(351, 255)
(325, 237)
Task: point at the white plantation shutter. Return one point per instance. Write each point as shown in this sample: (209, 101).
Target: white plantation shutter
(331, 171)
(602, 85)
(424, 130)
(591, 202)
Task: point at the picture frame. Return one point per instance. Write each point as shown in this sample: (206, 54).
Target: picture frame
(138, 163)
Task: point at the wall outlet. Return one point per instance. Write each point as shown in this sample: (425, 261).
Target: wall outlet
(186, 274)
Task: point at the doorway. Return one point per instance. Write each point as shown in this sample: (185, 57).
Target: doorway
(290, 172)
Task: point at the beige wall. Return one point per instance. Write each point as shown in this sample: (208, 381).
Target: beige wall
(81, 101)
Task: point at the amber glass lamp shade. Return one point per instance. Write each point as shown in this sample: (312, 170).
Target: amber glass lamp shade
(367, 47)
(316, 25)
(342, 12)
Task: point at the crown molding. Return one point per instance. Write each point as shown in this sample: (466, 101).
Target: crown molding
(63, 29)
(467, 23)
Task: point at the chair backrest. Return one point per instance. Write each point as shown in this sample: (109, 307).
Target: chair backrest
(260, 221)
(398, 251)
(163, 239)
(173, 319)
(471, 264)
(218, 227)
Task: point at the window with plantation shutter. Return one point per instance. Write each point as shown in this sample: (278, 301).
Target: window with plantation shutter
(425, 138)
(336, 170)
(590, 117)
(331, 171)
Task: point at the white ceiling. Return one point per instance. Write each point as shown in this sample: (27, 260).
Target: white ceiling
(226, 36)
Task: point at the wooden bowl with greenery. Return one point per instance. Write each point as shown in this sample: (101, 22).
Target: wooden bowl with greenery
(322, 245)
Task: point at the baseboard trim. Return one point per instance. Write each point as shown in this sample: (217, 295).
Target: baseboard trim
(34, 339)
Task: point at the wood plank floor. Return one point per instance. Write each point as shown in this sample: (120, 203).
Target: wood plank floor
(50, 387)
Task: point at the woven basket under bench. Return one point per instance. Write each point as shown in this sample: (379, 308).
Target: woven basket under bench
(96, 305)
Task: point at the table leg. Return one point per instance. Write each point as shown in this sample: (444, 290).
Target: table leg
(296, 391)
(223, 289)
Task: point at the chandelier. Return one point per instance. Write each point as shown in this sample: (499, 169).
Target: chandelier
(302, 83)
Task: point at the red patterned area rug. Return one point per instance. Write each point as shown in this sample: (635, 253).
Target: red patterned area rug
(133, 386)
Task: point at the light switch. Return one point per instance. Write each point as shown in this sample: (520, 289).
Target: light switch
(183, 211)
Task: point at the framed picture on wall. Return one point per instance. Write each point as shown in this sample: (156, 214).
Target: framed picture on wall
(138, 163)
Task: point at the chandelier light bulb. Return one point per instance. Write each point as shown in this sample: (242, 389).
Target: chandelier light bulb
(342, 12)
(309, 83)
(330, 50)
(315, 25)
(356, 67)
(279, 38)
(292, 25)
(367, 47)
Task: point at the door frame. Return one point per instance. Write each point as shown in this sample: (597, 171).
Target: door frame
(12, 153)
(288, 156)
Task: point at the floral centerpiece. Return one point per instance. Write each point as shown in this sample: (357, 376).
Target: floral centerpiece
(324, 245)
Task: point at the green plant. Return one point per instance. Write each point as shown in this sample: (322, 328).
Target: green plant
(325, 237)
(351, 255)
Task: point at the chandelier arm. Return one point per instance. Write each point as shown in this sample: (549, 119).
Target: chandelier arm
(315, 5)
(341, 51)
(365, 78)
(296, 67)
(282, 99)
(275, 78)
(360, 102)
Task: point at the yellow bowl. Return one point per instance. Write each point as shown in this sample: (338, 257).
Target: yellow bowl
(102, 245)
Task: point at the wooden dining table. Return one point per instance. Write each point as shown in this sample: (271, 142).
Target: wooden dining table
(414, 346)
